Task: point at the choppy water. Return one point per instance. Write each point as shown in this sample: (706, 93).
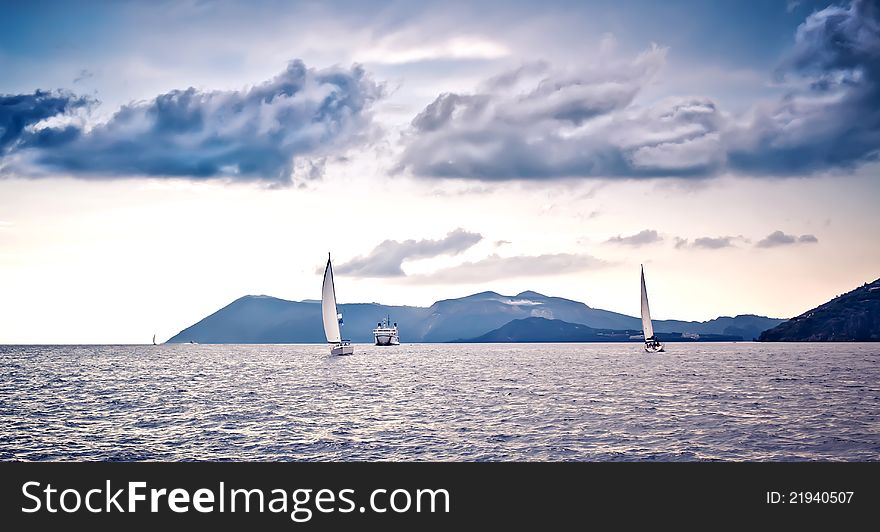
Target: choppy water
(532, 402)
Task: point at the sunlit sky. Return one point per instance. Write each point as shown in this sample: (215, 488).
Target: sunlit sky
(159, 160)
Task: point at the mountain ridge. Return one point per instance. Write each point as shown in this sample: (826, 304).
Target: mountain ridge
(266, 319)
(850, 317)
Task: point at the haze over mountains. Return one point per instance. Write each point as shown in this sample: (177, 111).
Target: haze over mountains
(265, 319)
(537, 330)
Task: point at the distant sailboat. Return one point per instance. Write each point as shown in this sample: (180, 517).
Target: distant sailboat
(154, 339)
(332, 318)
(652, 344)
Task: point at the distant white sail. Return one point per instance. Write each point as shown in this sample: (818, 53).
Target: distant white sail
(328, 307)
(647, 327)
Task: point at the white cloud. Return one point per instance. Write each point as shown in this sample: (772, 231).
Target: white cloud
(778, 238)
(646, 236)
(402, 48)
(387, 258)
(495, 267)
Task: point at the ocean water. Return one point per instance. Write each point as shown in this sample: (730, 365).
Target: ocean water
(523, 402)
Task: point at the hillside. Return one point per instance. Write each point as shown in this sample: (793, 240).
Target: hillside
(851, 317)
(269, 320)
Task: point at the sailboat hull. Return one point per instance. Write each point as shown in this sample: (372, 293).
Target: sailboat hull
(342, 349)
(653, 347)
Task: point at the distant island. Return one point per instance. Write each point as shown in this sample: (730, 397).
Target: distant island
(851, 317)
(265, 319)
(543, 330)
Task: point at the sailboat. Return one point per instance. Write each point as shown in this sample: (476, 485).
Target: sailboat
(154, 339)
(652, 344)
(332, 318)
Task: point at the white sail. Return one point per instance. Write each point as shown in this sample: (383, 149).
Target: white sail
(328, 307)
(647, 327)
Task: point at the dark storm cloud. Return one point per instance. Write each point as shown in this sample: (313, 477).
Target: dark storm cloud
(387, 258)
(252, 134)
(778, 238)
(835, 122)
(20, 111)
(538, 122)
(647, 236)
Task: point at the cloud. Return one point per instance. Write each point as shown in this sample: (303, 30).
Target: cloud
(451, 192)
(309, 169)
(647, 236)
(499, 243)
(83, 75)
(402, 48)
(541, 122)
(387, 258)
(808, 239)
(252, 134)
(835, 121)
(708, 242)
(496, 267)
(19, 112)
(778, 238)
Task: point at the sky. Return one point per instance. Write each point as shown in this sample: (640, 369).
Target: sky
(158, 160)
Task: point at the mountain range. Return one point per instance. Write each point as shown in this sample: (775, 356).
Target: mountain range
(264, 319)
(851, 317)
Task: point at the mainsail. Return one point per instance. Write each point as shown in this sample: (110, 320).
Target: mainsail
(647, 327)
(328, 307)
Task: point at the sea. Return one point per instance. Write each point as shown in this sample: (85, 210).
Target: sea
(442, 402)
